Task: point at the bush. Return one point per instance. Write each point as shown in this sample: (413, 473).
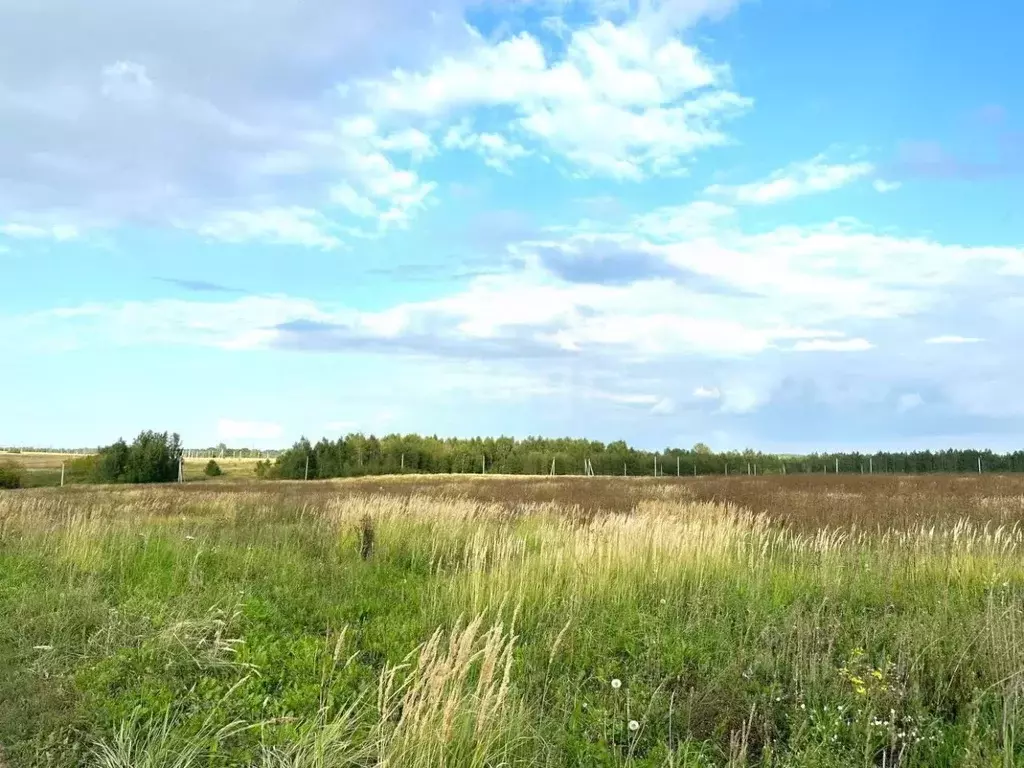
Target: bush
(11, 476)
(83, 470)
(152, 458)
(212, 469)
(265, 470)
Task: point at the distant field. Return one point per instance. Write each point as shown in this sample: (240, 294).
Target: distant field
(486, 622)
(44, 468)
(33, 461)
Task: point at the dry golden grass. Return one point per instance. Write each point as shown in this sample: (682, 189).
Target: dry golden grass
(38, 461)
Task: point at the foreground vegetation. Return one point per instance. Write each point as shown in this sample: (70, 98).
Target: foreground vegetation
(790, 622)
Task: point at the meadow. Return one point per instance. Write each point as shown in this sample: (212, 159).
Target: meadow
(798, 622)
(42, 470)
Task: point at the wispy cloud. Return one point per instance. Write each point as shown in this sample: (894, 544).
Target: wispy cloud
(952, 340)
(198, 286)
(833, 345)
(796, 180)
(21, 231)
(278, 226)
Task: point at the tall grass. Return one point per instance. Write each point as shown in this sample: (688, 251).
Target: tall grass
(492, 622)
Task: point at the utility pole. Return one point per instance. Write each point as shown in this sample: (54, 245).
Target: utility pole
(979, 465)
(655, 465)
(181, 470)
(306, 474)
(623, 469)
(837, 466)
(483, 465)
(62, 474)
(871, 465)
(694, 470)
(403, 462)
(677, 466)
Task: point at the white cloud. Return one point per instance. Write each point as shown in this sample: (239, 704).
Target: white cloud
(622, 101)
(682, 222)
(281, 226)
(58, 232)
(230, 430)
(909, 401)
(833, 345)
(411, 141)
(160, 114)
(882, 186)
(952, 340)
(664, 407)
(127, 80)
(706, 393)
(496, 150)
(796, 180)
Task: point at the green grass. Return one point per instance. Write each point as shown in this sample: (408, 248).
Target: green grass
(172, 627)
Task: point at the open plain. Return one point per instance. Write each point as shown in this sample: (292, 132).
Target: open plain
(459, 621)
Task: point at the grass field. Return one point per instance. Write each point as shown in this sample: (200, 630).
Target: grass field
(803, 622)
(43, 469)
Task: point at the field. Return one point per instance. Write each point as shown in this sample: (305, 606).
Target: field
(43, 469)
(798, 622)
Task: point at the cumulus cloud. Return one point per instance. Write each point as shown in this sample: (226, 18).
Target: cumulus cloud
(496, 150)
(159, 113)
(622, 101)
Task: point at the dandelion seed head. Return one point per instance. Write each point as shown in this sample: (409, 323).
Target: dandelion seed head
(616, 683)
(634, 725)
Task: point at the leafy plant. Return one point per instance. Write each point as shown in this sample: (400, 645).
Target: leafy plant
(11, 475)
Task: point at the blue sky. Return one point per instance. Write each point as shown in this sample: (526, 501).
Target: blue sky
(784, 224)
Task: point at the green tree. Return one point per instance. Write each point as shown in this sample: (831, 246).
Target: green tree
(10, 475)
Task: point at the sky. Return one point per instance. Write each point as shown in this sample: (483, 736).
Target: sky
(789, 225)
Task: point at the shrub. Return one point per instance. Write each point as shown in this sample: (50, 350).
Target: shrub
(82, 470)
(212, 469)
(265, 470)
(153, 457)
(11, 476)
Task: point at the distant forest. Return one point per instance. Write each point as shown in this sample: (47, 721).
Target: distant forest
(357, 455)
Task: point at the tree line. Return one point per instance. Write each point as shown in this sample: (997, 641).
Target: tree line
(358, 455)
(155, 457)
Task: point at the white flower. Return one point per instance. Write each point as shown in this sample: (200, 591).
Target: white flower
(42, 647)
(616, 683)
(190, 538)
(634, 725)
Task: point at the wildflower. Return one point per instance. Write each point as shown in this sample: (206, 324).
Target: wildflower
(42, 647)
(616, 683)
(190, 538)
(634, 726)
